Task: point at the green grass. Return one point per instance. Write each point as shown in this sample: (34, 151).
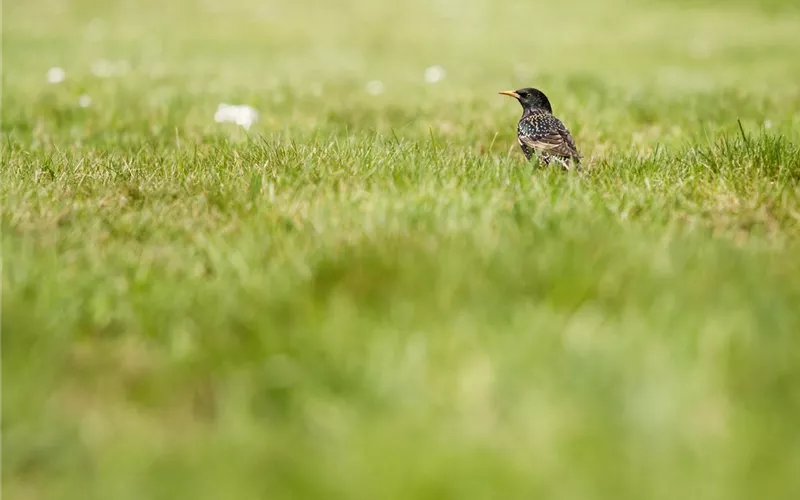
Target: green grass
(376, 297)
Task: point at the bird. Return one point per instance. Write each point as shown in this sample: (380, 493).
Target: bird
(540, 133)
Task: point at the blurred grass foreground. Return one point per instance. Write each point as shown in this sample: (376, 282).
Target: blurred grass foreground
(261, 249)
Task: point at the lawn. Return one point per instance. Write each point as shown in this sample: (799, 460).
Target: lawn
(369, 293)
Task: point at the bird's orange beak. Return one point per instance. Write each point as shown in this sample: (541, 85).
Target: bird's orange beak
(510, 93)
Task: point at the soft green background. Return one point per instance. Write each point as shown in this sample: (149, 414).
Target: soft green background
(375, 297)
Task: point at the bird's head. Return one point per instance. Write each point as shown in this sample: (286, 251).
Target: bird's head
(530, 98)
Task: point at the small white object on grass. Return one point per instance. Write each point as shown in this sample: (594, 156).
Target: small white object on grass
(768, 124)
(375, 87)
(241, 115)
(56, 75)
(434, 74)
(84, 101)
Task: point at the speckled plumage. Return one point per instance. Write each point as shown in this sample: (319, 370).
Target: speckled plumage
(541, 133)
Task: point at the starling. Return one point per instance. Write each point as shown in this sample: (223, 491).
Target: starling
(542, 133)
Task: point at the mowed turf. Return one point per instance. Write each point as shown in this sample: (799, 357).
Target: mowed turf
(371, 295)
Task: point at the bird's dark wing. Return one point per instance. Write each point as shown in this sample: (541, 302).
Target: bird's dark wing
(546, 133)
